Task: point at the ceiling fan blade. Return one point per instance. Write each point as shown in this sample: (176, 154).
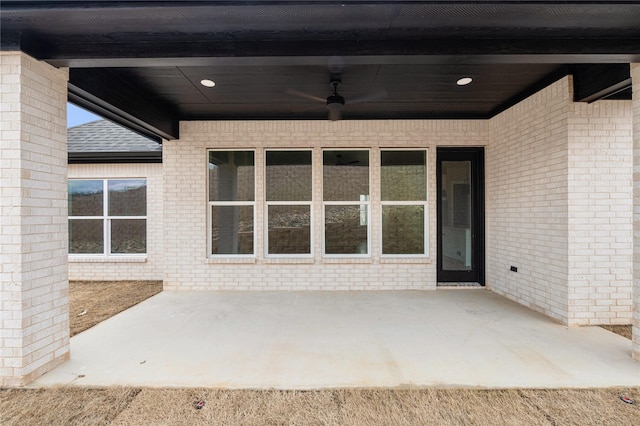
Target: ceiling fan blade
(335, 114)
(371, 96)
(305, 95)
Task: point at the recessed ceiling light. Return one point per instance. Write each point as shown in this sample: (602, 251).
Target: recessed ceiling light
(207, 83)
(464, 81)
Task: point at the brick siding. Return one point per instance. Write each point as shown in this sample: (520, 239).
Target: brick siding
(635, 75)
(600, 216)
(34, 318)
(559, 206)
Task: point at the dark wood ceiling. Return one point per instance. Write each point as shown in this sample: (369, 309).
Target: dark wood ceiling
(141, 62)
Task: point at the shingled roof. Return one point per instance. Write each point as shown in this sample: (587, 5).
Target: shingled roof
(102, 141)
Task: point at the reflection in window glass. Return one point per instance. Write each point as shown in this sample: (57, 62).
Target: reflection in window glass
(86, 198)
(231, 176)
(345, 231)
(128, 197)
(231, 201)
(345, 181)
(289, 229)
(345, 175)
(288, 188)
(403, 189)
(109, 232)
(86, 236)
(288, 176)
(403, 175)
(231, 229)
(128, 236)
(403, 229)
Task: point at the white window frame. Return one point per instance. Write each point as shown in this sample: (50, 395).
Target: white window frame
(424, 204)
(366, 202)
(106, 221)
(268, 203)
(211, 204)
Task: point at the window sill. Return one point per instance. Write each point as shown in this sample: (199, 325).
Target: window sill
(230, 260)
(87, 259)
(290, 260)
(346, 260)
(424, 260)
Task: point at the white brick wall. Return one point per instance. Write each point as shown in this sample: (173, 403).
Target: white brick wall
(600, 212)
(34, 319)
(125, 268)
(187, 266)
(559, 206)
(527, 207)
(635, 75)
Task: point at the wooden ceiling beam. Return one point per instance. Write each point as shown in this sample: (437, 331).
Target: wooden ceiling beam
(599, 81)
(168, 52)
(105, 94)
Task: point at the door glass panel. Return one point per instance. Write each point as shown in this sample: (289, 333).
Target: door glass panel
(457, 232)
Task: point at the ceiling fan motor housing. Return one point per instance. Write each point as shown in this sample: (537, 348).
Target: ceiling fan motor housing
(335, 102)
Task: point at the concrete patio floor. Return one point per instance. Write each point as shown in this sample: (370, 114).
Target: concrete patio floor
(310, 340)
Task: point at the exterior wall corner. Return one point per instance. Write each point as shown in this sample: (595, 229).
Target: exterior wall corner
(34, 312)
(635, 75)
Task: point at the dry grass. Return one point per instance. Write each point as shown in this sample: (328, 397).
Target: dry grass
(104, 299)
(63, 405)
(623, 330)
(130, 406)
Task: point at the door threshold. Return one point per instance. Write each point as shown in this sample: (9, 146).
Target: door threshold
(455, 285)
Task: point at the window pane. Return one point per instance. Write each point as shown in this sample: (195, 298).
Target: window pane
(289, 229)
(288, 176)
(403, 175)
(403, 229)
(231, 176)
(128, 236)
(86, 198)
(345, 229)
(232, 229)
(86, 236)
(128, 197)
(345, 175)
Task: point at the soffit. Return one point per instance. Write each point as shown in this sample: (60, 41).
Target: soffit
(142, 61)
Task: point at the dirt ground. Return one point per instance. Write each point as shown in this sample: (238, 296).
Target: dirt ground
(623, 330)
(91, 302)
(168, 406)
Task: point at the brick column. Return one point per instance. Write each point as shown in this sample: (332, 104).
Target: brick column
(34, 300)
(635, 75)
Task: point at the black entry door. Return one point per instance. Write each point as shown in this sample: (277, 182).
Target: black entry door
(460, 174)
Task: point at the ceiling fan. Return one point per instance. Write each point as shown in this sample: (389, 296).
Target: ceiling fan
(339, 161)
(335, 102)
